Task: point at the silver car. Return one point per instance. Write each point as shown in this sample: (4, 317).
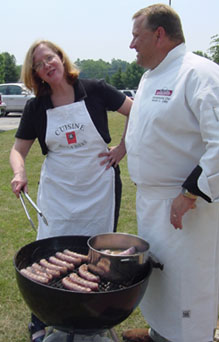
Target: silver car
(15, 96)
(2, 107)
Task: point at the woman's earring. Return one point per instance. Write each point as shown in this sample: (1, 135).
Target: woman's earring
(43, 81)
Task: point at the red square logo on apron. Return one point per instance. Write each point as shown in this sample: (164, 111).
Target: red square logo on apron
(71, 137)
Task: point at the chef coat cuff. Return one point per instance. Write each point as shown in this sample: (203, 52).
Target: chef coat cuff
(192, 184)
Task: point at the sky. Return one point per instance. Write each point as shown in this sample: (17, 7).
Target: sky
(96, 29)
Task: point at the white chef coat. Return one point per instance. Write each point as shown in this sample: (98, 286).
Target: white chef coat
(173, 127)
(76, 193)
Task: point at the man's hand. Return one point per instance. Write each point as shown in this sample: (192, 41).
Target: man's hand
(180, 206)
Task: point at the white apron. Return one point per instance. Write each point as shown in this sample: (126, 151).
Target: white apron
(177, 297)
(75, 193)
(170, 132)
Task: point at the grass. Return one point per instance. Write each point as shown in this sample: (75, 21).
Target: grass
(15, 232)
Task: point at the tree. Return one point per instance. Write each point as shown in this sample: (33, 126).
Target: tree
(9, 72)
(117, 80)
(93, 69)
(202, 54)
(214, 49)
(133, 75)
(2, 69)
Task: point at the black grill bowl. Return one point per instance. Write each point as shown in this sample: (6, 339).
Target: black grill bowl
(67, 310)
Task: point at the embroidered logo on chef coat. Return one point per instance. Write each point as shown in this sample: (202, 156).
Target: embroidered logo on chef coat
(71, 137)
(162, 95)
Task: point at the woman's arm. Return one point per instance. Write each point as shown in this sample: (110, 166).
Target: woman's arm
(116, 153)
(18, 155)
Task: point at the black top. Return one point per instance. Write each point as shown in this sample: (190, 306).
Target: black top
(98, 96)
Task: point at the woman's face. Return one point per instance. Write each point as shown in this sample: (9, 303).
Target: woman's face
(48, 65)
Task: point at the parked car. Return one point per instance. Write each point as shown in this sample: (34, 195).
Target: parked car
(15, 96)
(129, 92)
(2, 107)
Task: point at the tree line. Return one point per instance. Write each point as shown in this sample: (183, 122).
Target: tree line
(119, 73)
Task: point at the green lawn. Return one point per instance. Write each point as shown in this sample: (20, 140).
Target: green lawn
(15, 232)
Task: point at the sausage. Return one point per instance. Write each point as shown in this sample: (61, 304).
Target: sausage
(68, 258)
(33, 276)
(83, 282)
(83, 257)
(40, 272)
(36, 267)
(129, 251)
(84, 273)
(61, 263)
(46, 264)
(68, 284)
(54, 273)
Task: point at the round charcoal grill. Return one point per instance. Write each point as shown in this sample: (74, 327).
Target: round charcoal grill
(74, 311)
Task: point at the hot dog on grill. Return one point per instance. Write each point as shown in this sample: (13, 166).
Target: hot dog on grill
(49, 271)
(83, 282)
(39, 272)
(49, 265)
(61, 263)
(83, 257)
(84, 273)
(68, 258)
(68, 284)
(33, 276)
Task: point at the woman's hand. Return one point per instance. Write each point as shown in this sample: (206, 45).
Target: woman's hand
(18, 183)
(113, 156)
(18, 154)
(180, 206)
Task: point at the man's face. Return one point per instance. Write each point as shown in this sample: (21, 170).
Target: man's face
(144, 42)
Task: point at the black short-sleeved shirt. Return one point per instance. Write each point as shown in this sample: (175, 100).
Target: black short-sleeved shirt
(98, 96)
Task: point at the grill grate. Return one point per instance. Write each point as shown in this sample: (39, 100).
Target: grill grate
(103, 286)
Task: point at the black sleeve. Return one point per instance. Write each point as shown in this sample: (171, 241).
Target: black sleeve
(191, 183)
(33, 122)
(26, 128)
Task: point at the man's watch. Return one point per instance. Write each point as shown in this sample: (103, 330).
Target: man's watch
(188, 194)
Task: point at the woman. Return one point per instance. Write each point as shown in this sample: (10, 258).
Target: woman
(80, 188)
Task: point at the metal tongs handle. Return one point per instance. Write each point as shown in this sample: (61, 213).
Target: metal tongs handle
(26, 211)
(35, 207)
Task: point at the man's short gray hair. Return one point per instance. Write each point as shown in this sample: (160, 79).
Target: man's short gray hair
(164, 16)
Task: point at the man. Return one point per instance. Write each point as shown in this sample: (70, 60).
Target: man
(172, 145)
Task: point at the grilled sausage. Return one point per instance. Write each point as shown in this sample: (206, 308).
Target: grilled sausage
(33, 276)
(68, 284)
(61, 263)
(83, 282)
(40, 272)
(49, 271)
(84, 273)
(83, 257)
(46, 264)
(68, 258)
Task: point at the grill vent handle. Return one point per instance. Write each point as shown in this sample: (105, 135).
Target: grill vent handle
(155, 262)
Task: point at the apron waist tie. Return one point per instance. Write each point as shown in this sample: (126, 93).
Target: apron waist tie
(159, 192)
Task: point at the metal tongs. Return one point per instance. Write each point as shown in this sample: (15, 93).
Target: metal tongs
(34, 206)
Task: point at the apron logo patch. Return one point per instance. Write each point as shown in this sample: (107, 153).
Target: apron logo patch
(186, 314)
(71, 137)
